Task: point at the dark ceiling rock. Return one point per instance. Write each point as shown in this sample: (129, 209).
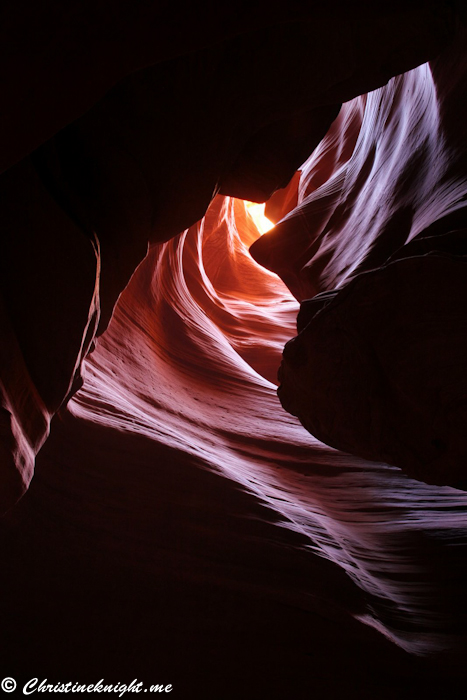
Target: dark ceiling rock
(59, 59)
(269, 160)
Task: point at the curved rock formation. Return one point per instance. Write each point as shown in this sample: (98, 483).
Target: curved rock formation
(178, 516)
(378, 368)
(379, 371)
(143, 163)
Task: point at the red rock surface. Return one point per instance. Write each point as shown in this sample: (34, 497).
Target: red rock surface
(181, 525)
(133, 147)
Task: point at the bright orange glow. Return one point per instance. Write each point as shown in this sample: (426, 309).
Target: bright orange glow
(256, 211)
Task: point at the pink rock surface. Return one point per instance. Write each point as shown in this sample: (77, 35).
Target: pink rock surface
(179, 517)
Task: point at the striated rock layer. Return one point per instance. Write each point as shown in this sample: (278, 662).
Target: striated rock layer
(378, 242)
(130, 146)
(193, 368)
(179, 518)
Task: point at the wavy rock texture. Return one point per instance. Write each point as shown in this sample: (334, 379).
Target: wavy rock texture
(153, 374)
(379, 233)
(182, 527)
(180, 519)
(131, 148)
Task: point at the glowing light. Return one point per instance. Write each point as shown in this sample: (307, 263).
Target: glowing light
(256, 211)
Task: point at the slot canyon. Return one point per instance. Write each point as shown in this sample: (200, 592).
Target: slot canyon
(233, 453)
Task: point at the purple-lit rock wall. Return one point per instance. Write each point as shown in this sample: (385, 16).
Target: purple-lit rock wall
(180, 523)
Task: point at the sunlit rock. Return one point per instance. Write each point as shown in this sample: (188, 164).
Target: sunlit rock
(179, 518)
